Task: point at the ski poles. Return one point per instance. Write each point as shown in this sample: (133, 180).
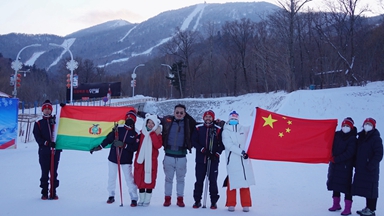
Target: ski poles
(206, 183)
(52, 123)
(118, 154)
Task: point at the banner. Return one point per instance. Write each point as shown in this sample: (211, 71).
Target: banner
(86, 91)
(8, 122)
(84, 127)
(283, 138)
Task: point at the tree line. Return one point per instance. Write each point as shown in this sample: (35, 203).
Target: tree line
(288, 50)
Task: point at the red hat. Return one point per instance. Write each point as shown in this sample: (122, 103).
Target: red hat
(131, 114)
(371, 121)
(47, 105)
(348, 121)
(209, 112)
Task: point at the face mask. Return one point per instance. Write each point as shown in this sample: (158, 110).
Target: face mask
(368, 127)
(233, 122)
(129, 122)
(346, 129)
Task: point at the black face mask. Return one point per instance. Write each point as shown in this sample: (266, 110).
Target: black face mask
(129, 122)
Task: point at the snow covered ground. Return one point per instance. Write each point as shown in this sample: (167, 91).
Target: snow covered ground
(282, 188)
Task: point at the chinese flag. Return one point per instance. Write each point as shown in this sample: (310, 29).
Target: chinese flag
(283, 138)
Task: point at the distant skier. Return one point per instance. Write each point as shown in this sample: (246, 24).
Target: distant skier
(43, 132)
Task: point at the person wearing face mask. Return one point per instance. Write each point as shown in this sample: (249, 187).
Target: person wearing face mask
(367, 166)
(239, 167)
(208, 144)
(43, 133)
(124, 142)
(340, 168)
(177, 133)
(145, 171)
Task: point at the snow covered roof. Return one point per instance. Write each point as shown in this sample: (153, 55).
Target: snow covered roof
(2, 95)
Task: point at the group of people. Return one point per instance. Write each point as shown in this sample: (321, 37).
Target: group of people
(137, 154)
(361, 151)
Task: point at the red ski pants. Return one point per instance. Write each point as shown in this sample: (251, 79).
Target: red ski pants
(245, 197)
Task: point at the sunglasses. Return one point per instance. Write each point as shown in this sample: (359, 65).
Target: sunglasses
(179, 113)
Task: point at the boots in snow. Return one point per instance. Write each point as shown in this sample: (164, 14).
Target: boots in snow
(111, 199)
(347, 208)
(167, 201)
(141, 199)
(180, 201)
(336, 204)
(147, 199)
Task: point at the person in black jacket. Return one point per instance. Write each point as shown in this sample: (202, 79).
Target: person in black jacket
(209, 146)
(340, 169)
(124, 142)
(43, 133)
(367, 166)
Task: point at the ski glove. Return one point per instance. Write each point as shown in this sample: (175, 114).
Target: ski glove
(245, 155)
(97, 148)
(214, 156)
(52, 144)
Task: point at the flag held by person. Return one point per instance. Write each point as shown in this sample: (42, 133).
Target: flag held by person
(84, 127)
(283, 138)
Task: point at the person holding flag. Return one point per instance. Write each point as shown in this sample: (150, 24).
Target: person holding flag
(209, 146)
(340, 168)
(49, 157)
(239, 167)
(124, 142)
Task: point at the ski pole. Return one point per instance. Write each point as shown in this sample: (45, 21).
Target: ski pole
(206, 183)
(52, 167)
(118, 170)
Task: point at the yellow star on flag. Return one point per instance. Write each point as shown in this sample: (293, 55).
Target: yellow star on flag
(269, 121)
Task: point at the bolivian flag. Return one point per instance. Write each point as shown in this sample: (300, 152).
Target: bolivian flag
(84, 127)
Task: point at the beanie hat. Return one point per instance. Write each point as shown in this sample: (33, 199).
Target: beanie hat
(370, 120)
(209, 112)
(234, 115)
(348, 121)
(131, 114)
(47, 105)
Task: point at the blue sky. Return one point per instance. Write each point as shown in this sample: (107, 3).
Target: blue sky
(65, 17)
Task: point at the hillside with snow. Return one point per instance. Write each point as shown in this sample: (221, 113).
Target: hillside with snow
(282, 188)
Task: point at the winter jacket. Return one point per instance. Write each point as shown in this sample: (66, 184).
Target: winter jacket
(156, 144)
(201, 139)
(240, 172)
(43, 133)
(367, 165)
(166, 121)
(340, 171)
(131, 142)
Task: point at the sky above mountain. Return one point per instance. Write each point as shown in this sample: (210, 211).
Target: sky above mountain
(65, 17)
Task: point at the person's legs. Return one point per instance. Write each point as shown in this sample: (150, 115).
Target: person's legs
(231, 197)
(132, 188)
(213, 188)
(245, 197)
(181, 170)
(44, 161)
(200, 172)
(169, 171)
(112, 174)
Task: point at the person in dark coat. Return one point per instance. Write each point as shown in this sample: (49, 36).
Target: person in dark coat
(124, 142)
(43, 133)
(340, 168)
(209, 146)
(367, 166)
(177, 133)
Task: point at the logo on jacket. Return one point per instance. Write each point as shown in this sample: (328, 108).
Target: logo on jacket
(95, 129)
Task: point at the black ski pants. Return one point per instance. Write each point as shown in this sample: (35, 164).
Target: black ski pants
(200, 174)
(45, 165)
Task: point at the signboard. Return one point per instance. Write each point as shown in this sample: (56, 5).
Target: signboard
(8, 122)
(95, 90)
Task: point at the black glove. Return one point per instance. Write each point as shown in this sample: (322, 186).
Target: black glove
(62, 104)
(97, 148)
(52, 144)
(214, 156)
(245, 155)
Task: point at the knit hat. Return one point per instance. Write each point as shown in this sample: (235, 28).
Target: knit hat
(47, 105)
(348, 121)
(234, 115)
(371, 121)
(131, 114)
(209, 112)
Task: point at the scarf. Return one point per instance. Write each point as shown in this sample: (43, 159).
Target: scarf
(145, 155)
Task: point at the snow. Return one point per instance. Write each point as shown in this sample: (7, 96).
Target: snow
(282, 188)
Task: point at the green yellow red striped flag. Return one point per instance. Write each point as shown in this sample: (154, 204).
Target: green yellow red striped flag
(84, 127)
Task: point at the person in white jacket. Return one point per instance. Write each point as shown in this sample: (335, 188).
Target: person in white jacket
(239, 167)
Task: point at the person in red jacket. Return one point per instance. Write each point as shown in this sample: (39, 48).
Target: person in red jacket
(145, 166)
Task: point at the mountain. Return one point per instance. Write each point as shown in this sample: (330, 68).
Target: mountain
(119, 44)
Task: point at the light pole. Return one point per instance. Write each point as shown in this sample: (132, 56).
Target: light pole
(71, 65)
(133, 79)
(170, 75)
(17, 65)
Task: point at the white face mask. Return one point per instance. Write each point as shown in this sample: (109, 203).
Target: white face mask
(368, 127)
(346, 129)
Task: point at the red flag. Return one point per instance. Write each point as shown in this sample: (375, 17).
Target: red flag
(283, 138)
